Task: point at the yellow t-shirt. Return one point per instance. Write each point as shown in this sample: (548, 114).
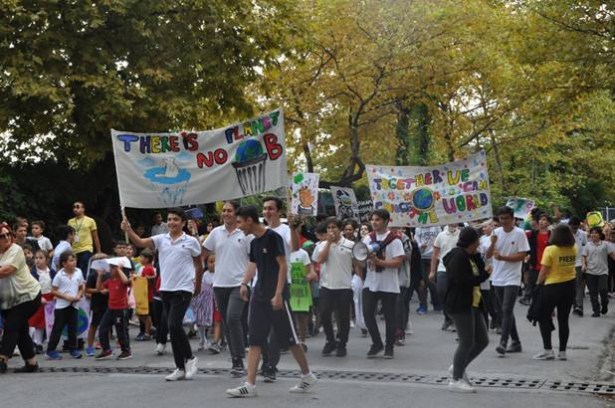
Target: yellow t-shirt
(561, 260)
(476, 295)
(83, 234)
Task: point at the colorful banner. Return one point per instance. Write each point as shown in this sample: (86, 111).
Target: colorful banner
(300, 293)
(345, 202)
(521, 206)
(439, 195)
(176, 169)
(83, 318)
(304, 194)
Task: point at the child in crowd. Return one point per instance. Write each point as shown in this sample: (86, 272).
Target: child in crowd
(302, 275)
(147, 273)
(45, 276)
(117, 310)
(595, 266)
(28, 252)
(67, 287)
(38, 227)
(203, 306)
(98, 303)
(67, 236)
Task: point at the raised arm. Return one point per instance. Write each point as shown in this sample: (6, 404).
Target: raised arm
(134, 238)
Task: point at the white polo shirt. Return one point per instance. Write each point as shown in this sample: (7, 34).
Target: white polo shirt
(336, 270)
(509, 243)
(176, 261)
(232, 251)
(68, 285)
(284, 231)
(387, 280)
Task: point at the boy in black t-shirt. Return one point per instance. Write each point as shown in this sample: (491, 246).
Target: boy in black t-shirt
(269, 302)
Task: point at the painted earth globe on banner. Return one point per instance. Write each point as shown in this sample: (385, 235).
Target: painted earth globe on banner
(248, 150)
(249, 165)
(423, 199)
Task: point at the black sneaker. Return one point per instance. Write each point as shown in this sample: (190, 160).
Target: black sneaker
(578, 311)
(514, 348)
(3, 367)
(375, 350)
(501, 349)
(269, 374)
(525, 301)
(341, 351)
(28, 368)
(329, 348)
(238, 369)
(388, 353)
(604, 310)
(596, 314)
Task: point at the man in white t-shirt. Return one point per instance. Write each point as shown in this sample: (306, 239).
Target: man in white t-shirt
(508, 248)
(335, 257)
(181, 272)
(580, 238)
(445, 241)
(232, 248)
(382, 283)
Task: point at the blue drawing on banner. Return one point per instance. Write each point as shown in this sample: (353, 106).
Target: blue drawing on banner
(169, 181)
(250, 160)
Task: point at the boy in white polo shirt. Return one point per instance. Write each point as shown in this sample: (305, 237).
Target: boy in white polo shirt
(181, 272)
(231, 247)
(335, 257)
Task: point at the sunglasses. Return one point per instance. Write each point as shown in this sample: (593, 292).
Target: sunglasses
(5, 236)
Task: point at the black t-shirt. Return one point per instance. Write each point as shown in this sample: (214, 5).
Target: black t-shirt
(98, 300)
(263, 252)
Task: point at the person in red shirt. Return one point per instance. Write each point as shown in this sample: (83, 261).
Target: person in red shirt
(117, 313)
(538, 240)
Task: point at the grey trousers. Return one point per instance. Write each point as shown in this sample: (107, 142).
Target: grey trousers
(473, 339)
(579, 295)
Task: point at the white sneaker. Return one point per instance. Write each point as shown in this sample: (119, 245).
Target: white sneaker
(460, 386)
(562, 356)
(307, 382)
(243, 391)
(465, 375)
(160, 348)
(544, 355)
(191, 368)
(176, 375)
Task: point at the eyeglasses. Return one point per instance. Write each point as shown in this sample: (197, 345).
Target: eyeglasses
(5, 236)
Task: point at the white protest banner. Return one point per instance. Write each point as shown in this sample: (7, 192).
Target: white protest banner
(345, 202)
(176, 169)
(304, 194)
(521, 206)
(437, 195)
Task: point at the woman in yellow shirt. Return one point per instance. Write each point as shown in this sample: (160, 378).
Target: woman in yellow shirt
(558, 277)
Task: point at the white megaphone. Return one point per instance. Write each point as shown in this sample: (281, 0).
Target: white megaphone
(361, 251)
